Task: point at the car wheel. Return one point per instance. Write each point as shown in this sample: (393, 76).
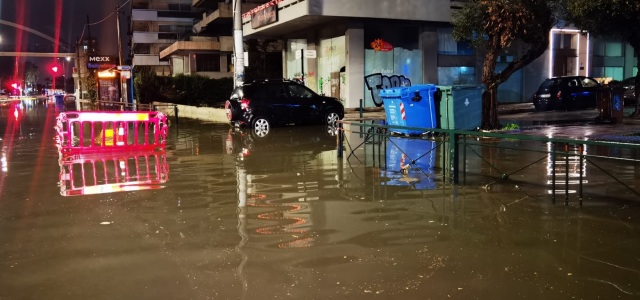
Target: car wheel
(260, 126)
(331, 118)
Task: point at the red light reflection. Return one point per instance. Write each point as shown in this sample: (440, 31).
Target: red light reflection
(100, 173)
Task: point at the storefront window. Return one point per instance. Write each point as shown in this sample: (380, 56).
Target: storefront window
(456, 75)
(331, 66)
(294, 65)
(385, 69)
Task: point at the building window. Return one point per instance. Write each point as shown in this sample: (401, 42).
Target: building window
(613, 49)
(448, 46)
(608, 48)
(180, 6)
(456, 75)
(208, 62)
(564, 41)
(615, 73)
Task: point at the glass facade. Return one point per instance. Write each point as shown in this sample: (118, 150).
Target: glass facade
(331, 67)
(294, 65)
(456, 75)
(449, 46)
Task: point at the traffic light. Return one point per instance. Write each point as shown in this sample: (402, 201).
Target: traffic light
(15, 85)
(54, 69)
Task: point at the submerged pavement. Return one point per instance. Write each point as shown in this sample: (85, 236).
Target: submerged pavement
(240, 217)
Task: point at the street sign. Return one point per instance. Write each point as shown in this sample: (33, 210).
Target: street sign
(124, 68)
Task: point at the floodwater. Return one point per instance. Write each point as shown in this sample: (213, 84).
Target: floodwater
(220, 214)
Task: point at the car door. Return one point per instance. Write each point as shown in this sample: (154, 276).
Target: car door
(272, 102)
(304, 104)
(588, 92)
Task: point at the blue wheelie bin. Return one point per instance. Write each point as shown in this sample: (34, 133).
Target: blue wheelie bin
(59, 102)
(410, 106)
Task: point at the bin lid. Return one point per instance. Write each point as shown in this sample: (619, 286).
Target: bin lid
(391, 92)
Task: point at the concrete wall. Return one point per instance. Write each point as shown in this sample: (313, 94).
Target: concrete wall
(418, 10)
(210, 114)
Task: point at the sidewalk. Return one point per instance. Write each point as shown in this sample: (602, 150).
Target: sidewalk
(377, 113)
(578, 124)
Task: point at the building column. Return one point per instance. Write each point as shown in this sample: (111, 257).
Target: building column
(354, 44)
(429, 47)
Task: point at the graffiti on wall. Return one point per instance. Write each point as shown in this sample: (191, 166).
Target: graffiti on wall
(376, 82)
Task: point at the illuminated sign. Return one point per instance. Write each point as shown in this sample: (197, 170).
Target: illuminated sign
(380, 45)
(101, 62)
(107, 74)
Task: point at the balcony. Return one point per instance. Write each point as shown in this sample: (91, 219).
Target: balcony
(148, 60)
(141, 18)
(199, 44)
(141, 37)
(223, 16)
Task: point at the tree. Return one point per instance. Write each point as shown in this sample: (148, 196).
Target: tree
(90, 84)
(493, 25)
(30, 74)
(609, 18)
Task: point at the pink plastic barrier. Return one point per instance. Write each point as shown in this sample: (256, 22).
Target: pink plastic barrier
(110, 172)
(90, 131)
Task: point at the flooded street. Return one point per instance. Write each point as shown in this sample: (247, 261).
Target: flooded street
(221, 214)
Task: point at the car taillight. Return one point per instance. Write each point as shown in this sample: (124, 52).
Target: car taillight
(558, 95)
(244, 104)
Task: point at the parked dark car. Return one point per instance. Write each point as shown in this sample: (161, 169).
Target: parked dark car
(629, 86)
(268, 103)
(566, 93)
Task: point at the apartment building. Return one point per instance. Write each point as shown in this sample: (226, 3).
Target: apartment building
(154, 26)
(184, 36)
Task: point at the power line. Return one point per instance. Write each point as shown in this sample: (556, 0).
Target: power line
(104, 19)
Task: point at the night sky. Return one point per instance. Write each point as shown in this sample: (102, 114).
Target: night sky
(40, 15)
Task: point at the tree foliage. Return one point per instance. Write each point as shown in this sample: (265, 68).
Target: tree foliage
(195, 90)
(30, 74)
(493, 26)
(609, 18)
(90, 83)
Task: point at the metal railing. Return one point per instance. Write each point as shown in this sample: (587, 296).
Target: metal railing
(565, 159)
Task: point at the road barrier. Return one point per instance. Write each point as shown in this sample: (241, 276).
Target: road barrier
(93, 131)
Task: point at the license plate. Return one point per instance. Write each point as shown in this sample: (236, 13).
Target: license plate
(544, 95)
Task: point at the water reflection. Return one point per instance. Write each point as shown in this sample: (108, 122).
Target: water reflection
(410, 162)
(277, 178)
(99, 173)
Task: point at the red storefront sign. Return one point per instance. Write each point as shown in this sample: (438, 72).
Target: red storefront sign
(264, 14)
(380, 45)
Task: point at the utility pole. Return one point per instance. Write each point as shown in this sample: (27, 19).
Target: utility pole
(79, 68)
(238, 47)
(119, 39)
